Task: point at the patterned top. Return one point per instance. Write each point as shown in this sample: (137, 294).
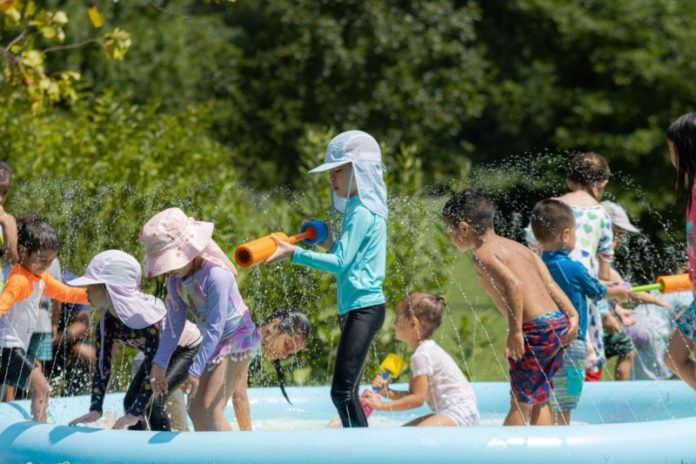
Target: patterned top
(213, 297)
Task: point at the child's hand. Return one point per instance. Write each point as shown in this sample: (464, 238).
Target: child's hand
(329, 242)
(158, 380)
(381, 384)
(515, 346)
(125, 422)
(572, 333)
(91, 416)
(190, 386)
(371, 399)
(623, 294)
(283, 251)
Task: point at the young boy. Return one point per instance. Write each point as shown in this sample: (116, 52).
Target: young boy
(540, 316)
(38, 246)
(553, 223)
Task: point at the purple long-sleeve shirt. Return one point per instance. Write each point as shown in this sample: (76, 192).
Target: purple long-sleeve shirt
(213, 297)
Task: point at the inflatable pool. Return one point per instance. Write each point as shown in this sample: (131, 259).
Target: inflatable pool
(617, 422)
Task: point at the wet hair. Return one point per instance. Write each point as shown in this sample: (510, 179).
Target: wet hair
(588, 169)
(549, 218)
(682, 133)
(5, 171)
(293, 322)
(34, 233)
(471, 206)
(426, 308)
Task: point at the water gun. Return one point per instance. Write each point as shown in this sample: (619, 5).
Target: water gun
(392, 365)
(258, 251)
(667, 284)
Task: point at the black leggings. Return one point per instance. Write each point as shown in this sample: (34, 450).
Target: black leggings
(358, 329)
(154, 413)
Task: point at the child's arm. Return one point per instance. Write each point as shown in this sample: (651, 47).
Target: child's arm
(355, 227)
(59, 291)
(145, 393)
(605, 248)
(649, 298)
(560, 298)
(172, 327)
(17, 288)
(382, 386)
(416, 396)
(496, 273)
(102, 370)
(9, 232)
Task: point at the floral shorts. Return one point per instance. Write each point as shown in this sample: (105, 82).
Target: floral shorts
(530, 376)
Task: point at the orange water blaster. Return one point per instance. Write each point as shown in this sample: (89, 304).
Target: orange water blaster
(667, 284)
(258, 251)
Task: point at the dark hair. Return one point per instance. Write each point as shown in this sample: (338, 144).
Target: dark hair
(549, 217)
(35, 234)
(293, 322)
(426, 308)
(682, 133)
(588, 169)
(471, 206)
(5, 171)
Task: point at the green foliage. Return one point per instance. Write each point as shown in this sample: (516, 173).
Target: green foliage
(28, 31)
(101, 169)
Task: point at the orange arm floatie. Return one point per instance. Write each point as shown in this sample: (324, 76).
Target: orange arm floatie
(17, 288)
(61, 292)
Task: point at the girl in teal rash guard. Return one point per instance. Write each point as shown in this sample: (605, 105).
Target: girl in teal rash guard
(353, 160)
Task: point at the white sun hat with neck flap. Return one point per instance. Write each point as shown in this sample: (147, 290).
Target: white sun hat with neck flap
(362, 151)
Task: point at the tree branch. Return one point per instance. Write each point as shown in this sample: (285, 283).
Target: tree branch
(15, 40)
(70, 46)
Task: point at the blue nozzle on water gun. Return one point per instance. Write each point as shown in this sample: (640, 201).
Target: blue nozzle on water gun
(321, 231)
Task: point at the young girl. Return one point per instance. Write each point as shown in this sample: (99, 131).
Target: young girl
(353, 160)
(588, 176)
(681, 139)
(435, 377)
(132, 318)
(201, 279)
(38, 246)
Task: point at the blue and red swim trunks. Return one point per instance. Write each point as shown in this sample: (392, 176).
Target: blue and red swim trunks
(530, 376)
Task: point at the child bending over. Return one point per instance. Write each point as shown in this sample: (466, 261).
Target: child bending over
(541, 318)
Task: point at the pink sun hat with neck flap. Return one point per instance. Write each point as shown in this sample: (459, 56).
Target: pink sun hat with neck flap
(172, 240)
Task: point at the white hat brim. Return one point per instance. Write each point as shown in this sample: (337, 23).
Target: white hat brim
(328, 166)
(628, 227)
(84, 281)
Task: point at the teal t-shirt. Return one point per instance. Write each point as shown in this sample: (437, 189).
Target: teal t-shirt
(358, 259)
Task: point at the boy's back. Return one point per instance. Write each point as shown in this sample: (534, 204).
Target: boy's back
(502, 264)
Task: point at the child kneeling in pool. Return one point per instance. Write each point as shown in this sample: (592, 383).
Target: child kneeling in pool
(435, 377)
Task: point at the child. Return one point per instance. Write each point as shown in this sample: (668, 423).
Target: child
(588, 176)
(201, 278)
(553, 223)
(435, 377)
(681, 140)
(38, 246)
(540, 316)
(132, 318)
(8, 225)
(358, 258)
